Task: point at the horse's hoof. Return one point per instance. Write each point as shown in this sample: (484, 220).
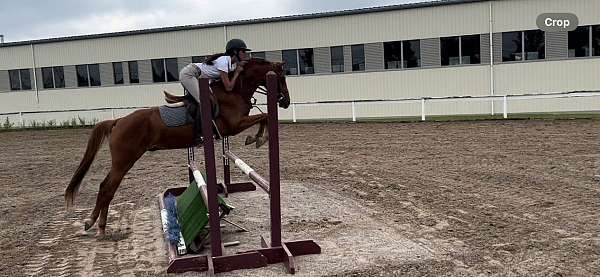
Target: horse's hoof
(101, 234)
(260, 142)
(250, 140)
(87, 226)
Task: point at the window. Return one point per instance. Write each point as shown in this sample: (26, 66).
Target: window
(337, 59)
(88, 75)
(470, 49)
(165, 70)
(358, 57)
(584, 41)
(118, 73)
(47, 78)
(402, 54)
(579, 42)
(527, 45)
(82, 76)
(59, 76)
(25, 79)
(15, 79)
(53, 77)
(158, 70)
(512, 46)
(258, 55)
(306, 61)
(411, 53)
(94, 70)
(535, 45)
(198, 59)
(20, 79)
(596, 40)
(450, 50)
(290, 58)
(392, 54)
(460, 50)
(134, 76)
(172, 69)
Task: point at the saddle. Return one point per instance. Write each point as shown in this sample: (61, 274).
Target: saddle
(193, 113)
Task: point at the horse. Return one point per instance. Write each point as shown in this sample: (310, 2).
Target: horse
(144, 130)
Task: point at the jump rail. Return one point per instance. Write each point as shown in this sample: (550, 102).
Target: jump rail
(260, 181)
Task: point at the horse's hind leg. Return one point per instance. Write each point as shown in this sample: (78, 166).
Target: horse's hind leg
(108, 187)
(123, 160)
(120, 166)
(129, 140)
(96, 212)
(101, 233)
(110, 194)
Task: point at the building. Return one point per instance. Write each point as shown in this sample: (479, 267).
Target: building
(433, 49)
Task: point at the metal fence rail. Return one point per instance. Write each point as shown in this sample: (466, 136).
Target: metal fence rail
(424, 101)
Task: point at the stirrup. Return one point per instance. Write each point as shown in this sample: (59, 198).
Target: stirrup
(216, 135)
(198, 141)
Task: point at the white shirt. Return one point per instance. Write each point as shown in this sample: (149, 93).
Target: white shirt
(221, 64)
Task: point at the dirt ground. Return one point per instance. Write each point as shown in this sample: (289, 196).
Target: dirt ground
(491, 198)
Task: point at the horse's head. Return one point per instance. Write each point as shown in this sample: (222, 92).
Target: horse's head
(255, 72)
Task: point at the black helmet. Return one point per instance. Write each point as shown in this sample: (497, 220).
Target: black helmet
(235, 44)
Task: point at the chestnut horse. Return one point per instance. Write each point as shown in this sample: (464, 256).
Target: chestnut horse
(143, 130)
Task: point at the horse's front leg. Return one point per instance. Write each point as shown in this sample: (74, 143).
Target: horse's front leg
(257, 138)
(247, 122)
(262, 137)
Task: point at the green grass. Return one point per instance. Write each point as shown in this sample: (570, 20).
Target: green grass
(74, 123)
(18, 129)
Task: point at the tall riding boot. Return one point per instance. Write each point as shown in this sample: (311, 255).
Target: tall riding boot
(198, 128)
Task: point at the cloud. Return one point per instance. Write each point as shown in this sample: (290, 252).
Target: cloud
(30, 19)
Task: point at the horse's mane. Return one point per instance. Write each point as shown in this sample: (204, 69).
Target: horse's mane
(251, 63)
(258, 61)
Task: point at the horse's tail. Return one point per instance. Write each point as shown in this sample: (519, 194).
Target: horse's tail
(100, 131)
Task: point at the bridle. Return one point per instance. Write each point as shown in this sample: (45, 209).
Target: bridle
(261, 89)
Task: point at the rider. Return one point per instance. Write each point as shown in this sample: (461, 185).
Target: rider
(216, 67)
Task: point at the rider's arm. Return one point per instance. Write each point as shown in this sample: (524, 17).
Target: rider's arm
(229, 83)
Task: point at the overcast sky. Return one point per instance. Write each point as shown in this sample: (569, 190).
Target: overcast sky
(35, 19)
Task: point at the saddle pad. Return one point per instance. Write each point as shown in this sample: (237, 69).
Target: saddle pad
(173, 117)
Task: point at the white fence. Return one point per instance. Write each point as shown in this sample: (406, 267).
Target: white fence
(356, 110)
(575, 102)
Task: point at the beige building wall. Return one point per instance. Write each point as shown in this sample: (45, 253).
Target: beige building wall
(547, 76)
(16, 57)
(514, 15)
(421, 23)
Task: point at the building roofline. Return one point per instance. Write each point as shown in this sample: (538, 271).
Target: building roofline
(247, 21)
